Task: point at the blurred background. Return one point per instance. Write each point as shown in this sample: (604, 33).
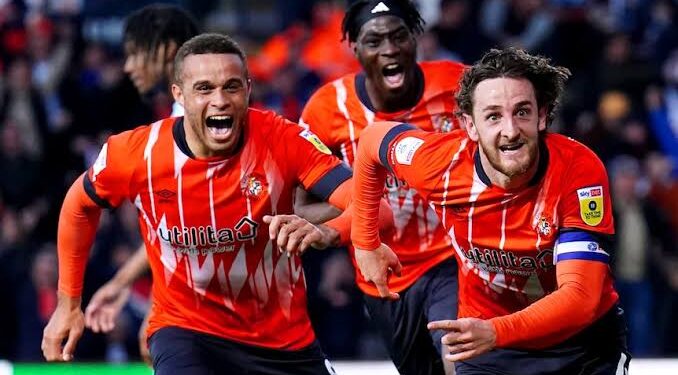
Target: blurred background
(63, 91)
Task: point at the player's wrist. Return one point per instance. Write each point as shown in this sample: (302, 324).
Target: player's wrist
(332, 237)
(68, 302)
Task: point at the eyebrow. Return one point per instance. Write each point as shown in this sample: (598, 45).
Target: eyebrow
(372, 33)
(228, 82)
(523, 103)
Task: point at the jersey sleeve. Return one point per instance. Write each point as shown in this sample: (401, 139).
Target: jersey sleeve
(317, 113)
(586, 211)
(416, 156)
(317, 170)
(107, 181)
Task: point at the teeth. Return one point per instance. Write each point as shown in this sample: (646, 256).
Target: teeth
(219, 118)
(391, 66)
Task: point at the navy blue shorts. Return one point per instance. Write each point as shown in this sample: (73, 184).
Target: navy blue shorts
(402, 323)
(180, 351)
(598, 350)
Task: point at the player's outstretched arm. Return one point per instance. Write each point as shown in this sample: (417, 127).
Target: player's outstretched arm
(105, 306)
(544, 323)
(78, 222)
(313, 210)
(559, 315)
(375, 260)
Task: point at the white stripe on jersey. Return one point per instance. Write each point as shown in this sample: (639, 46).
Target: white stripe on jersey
(446, 177)
(341, 104)
(152, 139)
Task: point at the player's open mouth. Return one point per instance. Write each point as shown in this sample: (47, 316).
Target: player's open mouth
(219, 125)
(394, 74)
(511, 147)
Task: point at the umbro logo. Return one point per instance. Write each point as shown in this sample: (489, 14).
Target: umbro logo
(381, 7)
(165, 194)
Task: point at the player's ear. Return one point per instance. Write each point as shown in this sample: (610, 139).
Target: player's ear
(354, 47)
(178, 94)
(467, 123)
(542, 119)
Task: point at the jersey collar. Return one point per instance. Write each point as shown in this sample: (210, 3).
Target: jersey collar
(179, 134)
(541, 168)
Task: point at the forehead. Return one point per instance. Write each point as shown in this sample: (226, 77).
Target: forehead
(212, 67)
(504, 92)
(381, 25)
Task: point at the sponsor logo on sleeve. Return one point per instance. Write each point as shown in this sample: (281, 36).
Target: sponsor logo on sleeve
(315, 141)
(405, 149)
(591, 204)
(100, 163)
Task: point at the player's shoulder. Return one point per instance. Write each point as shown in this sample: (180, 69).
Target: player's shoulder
(442, 76)
(268, 126)
(138, 137)
(445, 68)
(326, 95)
(408, 135)
(571, 155)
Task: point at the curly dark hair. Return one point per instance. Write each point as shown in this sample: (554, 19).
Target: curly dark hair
(350, 27)
(548, 80)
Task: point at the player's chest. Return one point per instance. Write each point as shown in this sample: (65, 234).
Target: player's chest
(522, 223)
(220, 195)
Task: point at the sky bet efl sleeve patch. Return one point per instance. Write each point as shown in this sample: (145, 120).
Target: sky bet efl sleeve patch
(315, 141)
(591, 204)
(405, 149)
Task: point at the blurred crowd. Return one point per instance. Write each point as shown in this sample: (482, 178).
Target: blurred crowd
(63, 90)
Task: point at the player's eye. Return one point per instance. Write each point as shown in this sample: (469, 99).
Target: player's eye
(492, 117)
(372, 42)
(523, 112)
(401, 36)
(232, 88)
(202, 88)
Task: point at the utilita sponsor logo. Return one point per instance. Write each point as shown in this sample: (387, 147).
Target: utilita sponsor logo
(492, 258)
(244, 230)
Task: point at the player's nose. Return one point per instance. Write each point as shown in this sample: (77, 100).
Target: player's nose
(219, 99)
(509, 128)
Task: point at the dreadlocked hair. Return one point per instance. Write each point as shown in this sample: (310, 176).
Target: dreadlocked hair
(350, 28)
(152, 26)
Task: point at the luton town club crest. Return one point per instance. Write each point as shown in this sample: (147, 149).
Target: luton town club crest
(544, 227)
(251, 186)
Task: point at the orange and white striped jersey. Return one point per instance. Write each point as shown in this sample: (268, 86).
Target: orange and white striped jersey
(508, 241)
(340, 110)
(214, 268)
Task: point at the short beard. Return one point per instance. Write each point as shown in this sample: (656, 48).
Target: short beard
(495, 162)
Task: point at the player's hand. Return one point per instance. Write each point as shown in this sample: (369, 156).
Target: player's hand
(466, 337)
(67, 323)
(104, 307)
(294, 235)
(143, 341)
(376, 266)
